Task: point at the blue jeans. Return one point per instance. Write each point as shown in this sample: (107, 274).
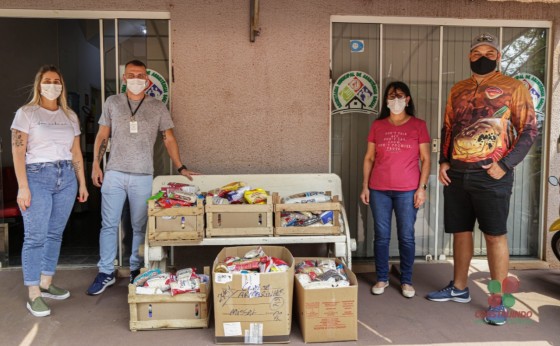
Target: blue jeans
(116, 187)
(53, 190)
(382, 204)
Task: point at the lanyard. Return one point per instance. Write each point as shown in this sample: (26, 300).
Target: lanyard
(137, 108)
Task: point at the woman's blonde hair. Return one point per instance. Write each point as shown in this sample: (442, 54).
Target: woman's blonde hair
(36, 94)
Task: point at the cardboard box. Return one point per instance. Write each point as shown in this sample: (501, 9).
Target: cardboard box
(175, 226)
(328, 314)
(280, 207)
(239, 220)
(158, 311)
(253, 308)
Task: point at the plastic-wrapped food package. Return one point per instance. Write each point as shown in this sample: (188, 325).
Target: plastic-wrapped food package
(160, 281)
(141, 279)
(326, 274)
(307, 197)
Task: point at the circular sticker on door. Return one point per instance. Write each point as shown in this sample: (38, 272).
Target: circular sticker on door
(536, 89)
(157, 86)
(355, 91)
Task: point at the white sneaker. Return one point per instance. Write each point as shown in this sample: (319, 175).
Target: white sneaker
(408, 291)
(379, 290)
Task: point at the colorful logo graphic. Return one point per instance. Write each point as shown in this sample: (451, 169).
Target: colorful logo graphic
(501, 293)
(493, 92)
(157, 86)
(507, 287)
(536, 88)
(355, 91)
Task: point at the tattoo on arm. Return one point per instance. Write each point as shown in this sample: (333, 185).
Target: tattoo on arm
(17, 140)
(163, 135)
(102, 149)
(77, 167)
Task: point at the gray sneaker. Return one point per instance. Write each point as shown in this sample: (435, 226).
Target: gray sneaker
(38, 307)
(54, 292)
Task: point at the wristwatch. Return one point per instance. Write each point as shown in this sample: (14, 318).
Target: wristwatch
(181, 168)
(424, 186)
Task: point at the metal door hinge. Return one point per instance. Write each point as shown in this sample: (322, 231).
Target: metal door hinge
(435, 145)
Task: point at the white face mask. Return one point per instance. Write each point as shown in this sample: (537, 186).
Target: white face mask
(397, 105)
(51, 91)
(136, 85)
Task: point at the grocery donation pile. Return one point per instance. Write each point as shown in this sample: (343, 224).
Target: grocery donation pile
(183, 281)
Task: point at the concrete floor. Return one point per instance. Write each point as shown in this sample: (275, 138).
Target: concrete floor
(389, 319)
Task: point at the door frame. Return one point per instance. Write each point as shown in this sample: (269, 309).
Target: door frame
(100, 16)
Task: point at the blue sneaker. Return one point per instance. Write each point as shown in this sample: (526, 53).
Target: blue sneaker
(101, 282)
(450, 293)
(496, 315)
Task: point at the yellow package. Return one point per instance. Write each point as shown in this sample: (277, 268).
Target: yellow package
(232, 186)
(255, 196)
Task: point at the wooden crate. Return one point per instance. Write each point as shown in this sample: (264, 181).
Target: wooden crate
(173, 226)
(279, 207)
(239, 220)
(159, 311)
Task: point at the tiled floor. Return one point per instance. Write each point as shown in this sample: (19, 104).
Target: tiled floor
(389, 319)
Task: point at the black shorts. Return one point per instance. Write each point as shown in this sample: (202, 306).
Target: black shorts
(477, 196)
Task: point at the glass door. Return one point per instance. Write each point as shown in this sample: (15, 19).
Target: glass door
(146, 40)
(430, 59)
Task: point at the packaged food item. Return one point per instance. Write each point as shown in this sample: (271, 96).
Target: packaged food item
(183, 196)
(190, 189)
(184, 274)
(326, 274)
(221, 268)
(155, 197)
(176, 185)
(311, 221)
(258, 252)
(170, 203)
(327, 217)
(232, 186)
(310, 199)
(148, 290)
(160, 281)
(236, 196)
(219, 200)
(303, 279)
(256, 196)
(331, 274)
(305, 264)
(142, 278)
(180, 286)
(307, 197)
(327, 263)
(306, 194)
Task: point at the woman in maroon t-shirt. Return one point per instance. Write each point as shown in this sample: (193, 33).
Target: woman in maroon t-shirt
(394, 181)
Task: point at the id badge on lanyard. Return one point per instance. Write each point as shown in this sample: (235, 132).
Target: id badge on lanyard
(133, 122)
(133, 126)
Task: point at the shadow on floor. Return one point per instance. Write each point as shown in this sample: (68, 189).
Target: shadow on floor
(389, 319)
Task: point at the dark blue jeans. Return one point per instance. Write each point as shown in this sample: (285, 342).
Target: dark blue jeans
(382, 204)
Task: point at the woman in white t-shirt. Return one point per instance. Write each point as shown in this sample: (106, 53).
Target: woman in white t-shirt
(48, 163)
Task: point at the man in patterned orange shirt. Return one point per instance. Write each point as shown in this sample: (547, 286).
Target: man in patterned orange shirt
(489, 127)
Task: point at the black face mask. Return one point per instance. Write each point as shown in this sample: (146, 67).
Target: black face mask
(483, 65)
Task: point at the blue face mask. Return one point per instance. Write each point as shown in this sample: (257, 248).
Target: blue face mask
(483, 66)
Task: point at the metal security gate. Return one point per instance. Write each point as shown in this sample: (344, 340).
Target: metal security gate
(430, 58)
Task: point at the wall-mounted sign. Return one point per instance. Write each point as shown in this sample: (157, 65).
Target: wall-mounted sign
(157, 88)
(355, 91)
(357, 46)
(536, 88)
